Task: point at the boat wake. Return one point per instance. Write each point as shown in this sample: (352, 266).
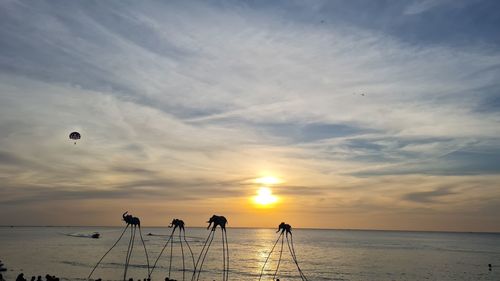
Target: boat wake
(94, 235)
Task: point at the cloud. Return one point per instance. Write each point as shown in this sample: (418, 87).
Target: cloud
(428, 196)
(459, 161)
(422, 6)
(181, 102)
(9, 159)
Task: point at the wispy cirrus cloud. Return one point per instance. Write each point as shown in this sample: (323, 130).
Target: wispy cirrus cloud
(423, 6)
(184, 102)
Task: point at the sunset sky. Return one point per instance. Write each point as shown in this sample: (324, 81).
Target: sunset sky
(357, 114)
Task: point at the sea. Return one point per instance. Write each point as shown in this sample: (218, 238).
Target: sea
(70, 254)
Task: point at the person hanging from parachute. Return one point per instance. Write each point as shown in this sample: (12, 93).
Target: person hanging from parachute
(75, 136)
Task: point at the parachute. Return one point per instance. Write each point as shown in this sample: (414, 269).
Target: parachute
(75, 136)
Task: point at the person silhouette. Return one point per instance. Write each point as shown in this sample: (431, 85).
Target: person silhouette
(20, 277)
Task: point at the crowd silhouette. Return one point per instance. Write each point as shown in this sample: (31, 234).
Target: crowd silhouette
(49, 277)
(20, 277)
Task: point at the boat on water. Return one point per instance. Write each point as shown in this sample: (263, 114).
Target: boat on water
(96, 235)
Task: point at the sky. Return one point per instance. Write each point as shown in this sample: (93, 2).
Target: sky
(371, 114)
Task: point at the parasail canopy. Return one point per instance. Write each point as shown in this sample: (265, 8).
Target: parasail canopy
(75, 136)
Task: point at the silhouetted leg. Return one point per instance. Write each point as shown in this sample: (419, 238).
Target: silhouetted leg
(189, 247)
(293, 248)
(131, 248)
(206, 252)
(129, 254)
(302, 276)
(227, 255)
(128, 251)
(145, 251)
(279, 260)
(182, 252)
(272, 249)
(119, 238)
(295, 255)
(171, 250)
(223, 256)
(159, 256)
(199, 257)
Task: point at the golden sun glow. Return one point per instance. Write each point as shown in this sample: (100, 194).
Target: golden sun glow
(268, 180)
(265, 197)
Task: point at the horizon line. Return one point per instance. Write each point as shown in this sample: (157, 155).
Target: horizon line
(257, 227)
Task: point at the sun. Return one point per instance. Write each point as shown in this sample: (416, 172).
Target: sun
(265, 197)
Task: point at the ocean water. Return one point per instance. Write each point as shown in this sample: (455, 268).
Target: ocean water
(322, 254)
